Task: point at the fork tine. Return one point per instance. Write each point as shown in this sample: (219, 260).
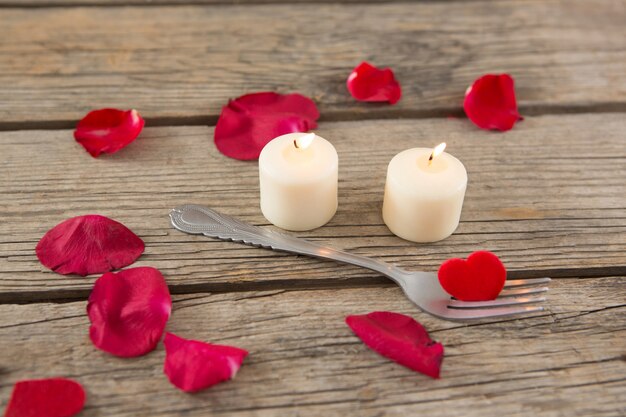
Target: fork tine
(507, 301)
(522, 291)
(472, 314)
(512, 283)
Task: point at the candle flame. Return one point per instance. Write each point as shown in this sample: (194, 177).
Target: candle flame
(437, 151)
(304, 141)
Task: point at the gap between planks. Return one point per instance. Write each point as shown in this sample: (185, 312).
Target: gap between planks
(40, 4)
(71, 296)
(337, 116)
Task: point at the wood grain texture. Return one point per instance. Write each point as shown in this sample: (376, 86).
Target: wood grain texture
(183, 63)
(304, 361)
(549, 197)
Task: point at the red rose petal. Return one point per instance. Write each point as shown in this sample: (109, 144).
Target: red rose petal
(490, 102)
(128, 311)
(480, 278)
(399, 338)
(368, 83)
(108, 130)
(192, 365)
(54, 397)
(90, 244)
(249, 122)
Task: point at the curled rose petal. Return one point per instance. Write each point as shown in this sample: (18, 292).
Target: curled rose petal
(128, 311)
(490, 102)
(192, 365)
(399, 338)
(480, 278)
(368, 83)
(53, 397)
(90, 244)
(108, 130)
(249, 122)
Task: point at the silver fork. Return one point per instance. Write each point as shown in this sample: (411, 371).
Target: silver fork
(422, 288)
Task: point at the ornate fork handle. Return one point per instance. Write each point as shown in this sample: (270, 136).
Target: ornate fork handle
(195, 219)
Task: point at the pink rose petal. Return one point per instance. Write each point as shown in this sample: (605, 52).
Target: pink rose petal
(490, 102)
(192, 365)
(53, 397)
(128, 311)
(249, 122)
(89, 244)
(399, 338)
(368, 83)
(108, 130)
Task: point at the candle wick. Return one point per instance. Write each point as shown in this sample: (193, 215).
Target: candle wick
(430, 159)
(295, 143)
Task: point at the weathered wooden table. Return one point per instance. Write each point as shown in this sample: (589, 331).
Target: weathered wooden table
(549, 197)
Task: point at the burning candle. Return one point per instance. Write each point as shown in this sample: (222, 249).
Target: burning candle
(424, 194)
(298, 180)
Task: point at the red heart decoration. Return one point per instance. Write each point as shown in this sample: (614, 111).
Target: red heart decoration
(479, 278)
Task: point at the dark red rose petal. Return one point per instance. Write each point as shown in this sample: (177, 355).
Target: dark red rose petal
(480, 278)
(128, 311)
(108, 130)
(490, 102)
(90, 244)
(54, 397)
(192, 365)
(249, 122)
(368, 83)
(399, 338)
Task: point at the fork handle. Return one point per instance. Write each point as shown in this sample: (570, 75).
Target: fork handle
(195, 219)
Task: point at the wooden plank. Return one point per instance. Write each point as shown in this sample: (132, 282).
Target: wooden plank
(178, 64)
(305, 361)
(113, 3)
(549, 197)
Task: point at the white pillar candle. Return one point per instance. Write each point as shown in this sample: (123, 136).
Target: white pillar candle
(298, 179)
(424, 194)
